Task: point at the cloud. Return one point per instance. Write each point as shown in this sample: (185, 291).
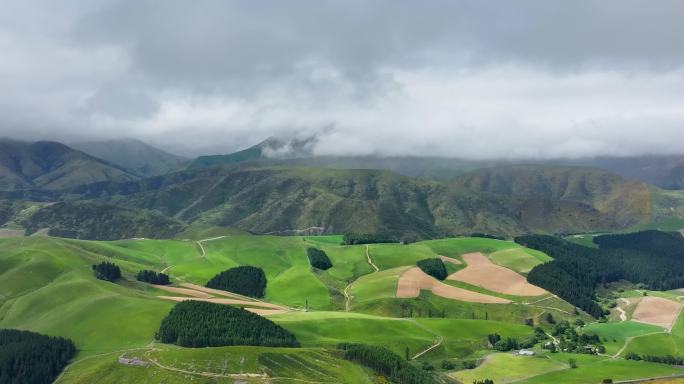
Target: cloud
(478, 79)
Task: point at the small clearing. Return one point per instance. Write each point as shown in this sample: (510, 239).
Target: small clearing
(657, 311)
(480, 271)
(414, 280)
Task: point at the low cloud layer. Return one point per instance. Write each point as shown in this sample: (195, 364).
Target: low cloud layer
(476, 79)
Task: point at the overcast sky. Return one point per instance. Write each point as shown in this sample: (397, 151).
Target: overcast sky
(476, 79)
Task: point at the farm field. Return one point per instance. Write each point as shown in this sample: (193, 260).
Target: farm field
(48, 287)
(508, 368)
(614, 335)
(480, 271)
(657, 311)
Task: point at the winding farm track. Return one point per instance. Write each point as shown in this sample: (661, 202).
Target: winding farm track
(370, 261)
(437, 343)
(199, 242)
(347, 296)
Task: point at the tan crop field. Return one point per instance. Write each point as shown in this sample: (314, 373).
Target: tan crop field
(481, 272)
(414, 280)
(657, 311)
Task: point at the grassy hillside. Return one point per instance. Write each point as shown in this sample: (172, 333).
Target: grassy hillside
(278, 199)
(46, 285)
(51, 165)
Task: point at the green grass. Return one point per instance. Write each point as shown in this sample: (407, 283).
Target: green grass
(284, 260)
(455, 247)
(613, 335)
(285, 365)
(506, 368)
(47, 286)
(521, 260)
(464, 338)
(593, 369)
(387, 256)
(376, 286)
(326, 329)
(326, 239)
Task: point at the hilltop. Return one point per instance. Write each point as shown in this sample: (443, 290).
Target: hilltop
(52, 165)
(132, 155)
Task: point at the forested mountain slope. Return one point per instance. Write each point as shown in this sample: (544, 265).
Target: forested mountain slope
(272, 199)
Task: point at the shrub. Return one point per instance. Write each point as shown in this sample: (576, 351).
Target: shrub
(153, 277)
(433, 267)
(245, 280)
(318, 259)
(31, 358)
(107, 271)
(199, 324)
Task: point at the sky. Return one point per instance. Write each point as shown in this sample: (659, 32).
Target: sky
(471, 79)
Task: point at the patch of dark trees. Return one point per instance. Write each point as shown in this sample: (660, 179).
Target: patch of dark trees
(569, 340)
(153, 277)
(198, 324)
(352, 238)
(433, 267)
(487, 236)
(107, 271)
(32, 358)
(385, 363)
(510, 343)
(666, 359)
(244, 280)
(318, 259)
(652, 258)
(485, 381)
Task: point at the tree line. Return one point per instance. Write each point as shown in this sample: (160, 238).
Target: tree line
(153, 277)
(666, 359)
(244, 280)
(487, 236)
(385, 363)
(352, 238)
(433, 267)
(107, 271)
(32, 358)
(198, 324)
(318, 259)
(652, 258)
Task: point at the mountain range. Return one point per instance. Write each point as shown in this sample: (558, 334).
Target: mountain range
(75, 194)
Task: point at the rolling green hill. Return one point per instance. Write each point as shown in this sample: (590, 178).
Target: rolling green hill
(51, 165)
(47, 286)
